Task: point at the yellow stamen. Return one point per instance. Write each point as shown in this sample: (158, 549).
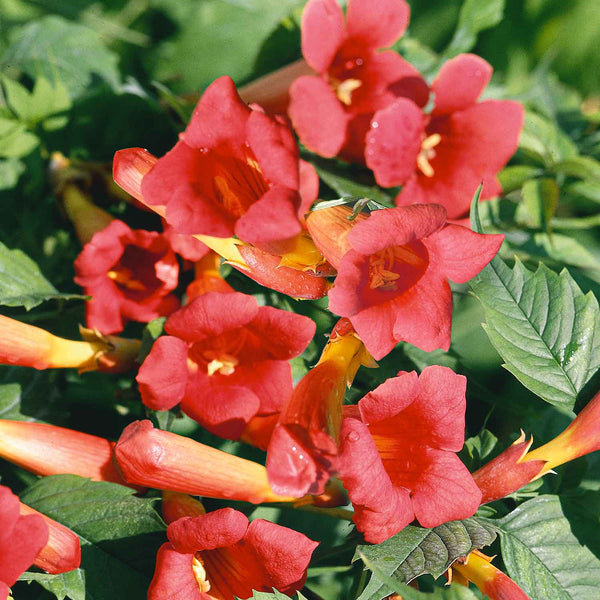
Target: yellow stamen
(428, 153)
(200, 574)
(345, 88)
(125, 278)
(381, 264)
(224, 364)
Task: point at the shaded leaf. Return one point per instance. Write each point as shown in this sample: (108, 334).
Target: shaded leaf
(63, 52)
(542, 325)
(119, 532)
(10, 171)
(475, 16)
(583, 167)
(540, 200)
(543, 549)
(543, 141)
(22, 283)
(417, 551)
(513, 177)
(64, 585)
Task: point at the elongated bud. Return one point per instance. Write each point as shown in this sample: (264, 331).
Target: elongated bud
(271, 91)
(129, 168)
(516, 467)
(62, 553)
(477, 568)
(581, 437)
(329, 228)
(176, 505)
(28, 346)
(303, 449)
(50, 450)
(508, 472)
(87, 218)
(166, 461)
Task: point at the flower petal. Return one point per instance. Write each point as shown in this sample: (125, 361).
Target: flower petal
(396, 227)
(394, 141)
(391, 397)
(219, 118)
(211, 314)
(317, 115)
(282, 553)
(381, 510)
(462, 253)
(285, 334)
(377, 23)
(460, 82)
(216, 529)
(163, 376)
(174, 578)
(445, 490)
(271, 219)
(275, 149)
(322, 32)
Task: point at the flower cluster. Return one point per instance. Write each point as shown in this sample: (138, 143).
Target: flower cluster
(235, 188)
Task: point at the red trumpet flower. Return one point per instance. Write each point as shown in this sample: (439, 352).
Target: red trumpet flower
(220, 556)
(398, 454)
(225, 360)
(331, 111)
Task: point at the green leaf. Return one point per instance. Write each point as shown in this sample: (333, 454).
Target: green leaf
(561, 248)
(10, 171)
(454, 592)
(29, 395)
(32, 107)
(119, 532)
(417, 551)
(590, 190)
(513, 177)
(479, 449)
(64, 585)
(475, 16)
(543, 141)
(550, 547)
(62, 52)
(275, 595)
(151, 333)
(15, 140)
(540, 199)
(542, 325)
(22, 283)
(583, 167)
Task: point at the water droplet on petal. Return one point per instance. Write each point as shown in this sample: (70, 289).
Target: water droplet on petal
(374, 125)
(353, 436)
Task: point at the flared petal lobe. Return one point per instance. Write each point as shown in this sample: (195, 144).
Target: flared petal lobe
(402, 446)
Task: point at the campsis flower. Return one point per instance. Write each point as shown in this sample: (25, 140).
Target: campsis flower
(167, 461)
(517, 466)
(130, 274)
(21, 539)
(331, 111)
(443, 156)
(393, 270)
(491, 581)
(50, 450)
(62, 552)
(234, 170)
(221, 556)
(398, 455)
(225, 360)
(298, 270)
(302, 452)
(29, 346)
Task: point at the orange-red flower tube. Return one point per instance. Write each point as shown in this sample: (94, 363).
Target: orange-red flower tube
(28, 346)
(50, 450)
(166, 461)
(477, 568)
(516, 466)
(62, 553)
